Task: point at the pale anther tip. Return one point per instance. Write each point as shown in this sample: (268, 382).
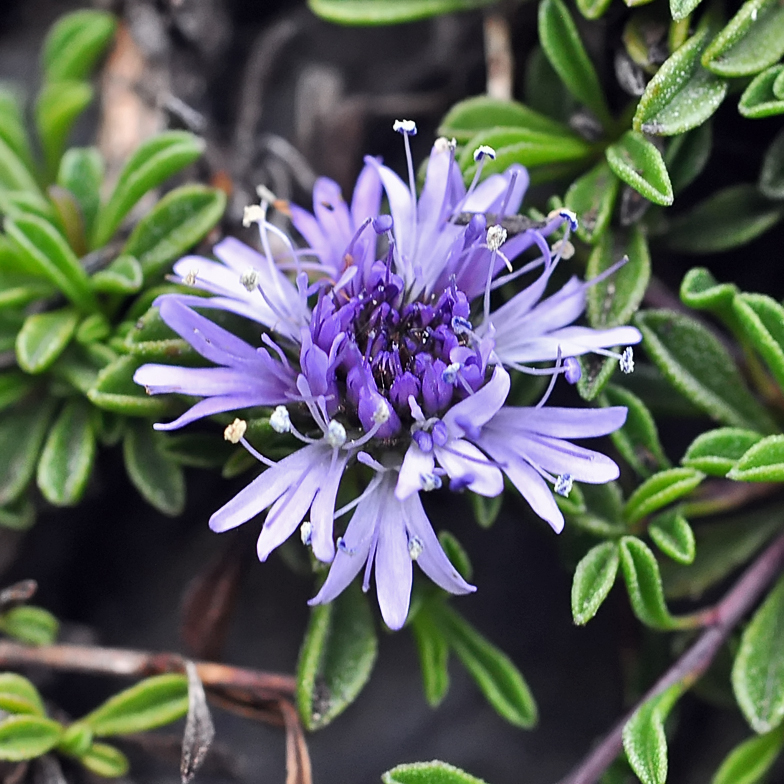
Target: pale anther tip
(235, 431)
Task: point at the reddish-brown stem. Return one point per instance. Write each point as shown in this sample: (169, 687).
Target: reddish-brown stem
(721, 619)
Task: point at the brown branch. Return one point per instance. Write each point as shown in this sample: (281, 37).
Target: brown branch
(722, 618)
(499, 60)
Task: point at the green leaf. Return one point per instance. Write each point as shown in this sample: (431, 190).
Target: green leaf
(176, 223)
(644, 585)
(486, 509)
(30, 625)
(593, 579)
(495, 674)
(123, 276)
(68, 455)
(115, 390)
(566, 53)
(753, 40)
(336, 659)
(758, 672)
(763, 462)
(76, 739)
(759, 99)
(596, 372)
(93, 329)
(69, 216)
(58, 107)
(81, 172)
(18, 515)
(687, 155)
(640, 165)
(18, 695)
(762, 319)
(148, 704)
(14, 173)
(384, 12)
(700, 290)
(701, 369)
(105, 760)
(155, 161)
(434, 772)
(771, 181)
(592, 198)
(644, 740)
(467, 118)
(593, 9)
(74, 44)
(14, 385)
(161, 482)
(638, 439)
(433, 650)
(672, 534)
(12, 129)
(43, 338)
(778, 86)
(682, 94)
(27, 737)
(544, 90)
(22, 432)
(615, 300)
(47, 253)
(660, 490)
(718, 451)
(748, 762)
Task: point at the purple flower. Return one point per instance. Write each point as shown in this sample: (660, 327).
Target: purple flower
(384, 350)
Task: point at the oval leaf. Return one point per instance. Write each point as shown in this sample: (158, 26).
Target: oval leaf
(640, 165)
(762, 319)
(105, 760)
(58, 107)
(75, 43)
(13, 132)
(18, 695)
(43, 338)
(593, 579)
(14, 173)
(30, 625)
(701, 291)
(592, 198)
(759, 99)
(81, 173)
(123, 276)
(383, 12)
(672, 534)
(751, 760)
(771, 183)
(718, 451)
(763, 462)
(433, 651)
(434, 772)
(27, 737)
(115, 390)
(661, 489)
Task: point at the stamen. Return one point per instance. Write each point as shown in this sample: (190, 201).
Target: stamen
(253, 213)
(461, 326)
(563, 485)
(627, 360)
(251, 451)
(496, 237)
(442, 144)
(482, 152)
(235, 431)
(280, 421)
(405, 127)
(250, 279)
(430, 482)
(343, 547)
(382, 224)
(563, 248)
(449, 376)
(190, 277)
(335, 435)
(551, 385)
(572, 370)
(408, 128)
(415, 547)
(306, 533)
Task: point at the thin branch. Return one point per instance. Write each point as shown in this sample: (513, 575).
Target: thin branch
(499, 61)
(724, 617)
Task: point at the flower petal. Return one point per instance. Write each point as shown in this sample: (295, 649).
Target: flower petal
(463, 461)
(416, 463)
(323, 509)
(393, 565)
(478, 409)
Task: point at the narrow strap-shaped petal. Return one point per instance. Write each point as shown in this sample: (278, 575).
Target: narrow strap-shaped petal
(416, 464)
(366, 199)
(559, 456)
(394, 572)
(559, 422)
(464, 462)
(210, 406)
(323, 509)
(479, 408)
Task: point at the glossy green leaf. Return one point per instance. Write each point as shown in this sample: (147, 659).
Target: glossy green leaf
(718, 451)
(384, 12)
(337, 657)
(176, 223)
(561, 43)
(48, 254)
(30, 625)
(68, 455)
(105, 760)
(27, 737)
(771, 181)
(75, 43)
(593, 579)
(115, 390)
(748, 762)
(758, 672)
(434, 772)
(753, 40)
(151, 703)
(161, 482)
(68, 216)
(640, 165)
(701, 369)
(638, 439)
(123, 276)
(701, 291)
(763, 462)
(467, 118)
(592, 198)
(759, 99)
(644, 740)
(22, 433)
(762, 320)
(58, 107)
(593, 9)
(12, 128)
(486, 509)
(14, 173)
(43, 338)
(81, 172)
(644, 585)
(660, 490)
(155, 161)
(596, 372)
(433, 650)
(495, 674)
(687, 154)
(682, 94)
(18, 695)
(672, 534)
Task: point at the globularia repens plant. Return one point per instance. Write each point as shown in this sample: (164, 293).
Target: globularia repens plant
(405, 342)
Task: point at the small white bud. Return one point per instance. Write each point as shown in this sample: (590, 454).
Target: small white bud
(190, 277)
(306, 533)
(626, 362)
(252, 214)
(235, 431)
(564, 249)
(415, 547)
(405, 126)
(250, 279)
(280, 421)
(496, 237)
(484, 151)
(336, 434)
(563, 485)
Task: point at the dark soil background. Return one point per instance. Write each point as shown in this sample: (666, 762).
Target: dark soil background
(282, 97)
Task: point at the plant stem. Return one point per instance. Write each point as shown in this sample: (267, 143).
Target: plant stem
(721, 619)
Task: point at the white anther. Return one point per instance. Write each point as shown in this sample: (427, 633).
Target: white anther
(563, 485)
(405, 126)
(336, 434)
(306, 533)
(250, 279)
(235, 431)
(564, 249)
(626, 361)
(415, 547)
(280, 421)
(252, 214)
(344, 548)
(450, 374)
(190, 277)
(442, 144)
(430, 482)
(381, 414)
(496, 237)
(484, 151)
